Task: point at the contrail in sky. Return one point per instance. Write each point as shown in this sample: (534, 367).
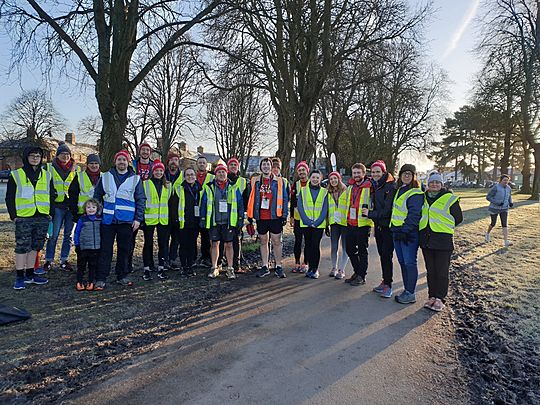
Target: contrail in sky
(467, 18)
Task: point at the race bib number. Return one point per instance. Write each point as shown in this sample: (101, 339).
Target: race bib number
(196, 211)
(352, 213)
(265, 204)
(223, 206)
(27, 192)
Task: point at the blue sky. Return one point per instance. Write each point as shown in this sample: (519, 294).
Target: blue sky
(450, 36)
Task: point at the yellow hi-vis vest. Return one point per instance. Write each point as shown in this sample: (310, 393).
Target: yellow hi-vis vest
(437, 215)
(365, 199)
(157, 207)
(337, 213)
(181, 193)
(210, 219)
(241, 183)
(312, 208)
(86, 190)
(61, 186)
(298, 186)
(29, 199)
(399, 207)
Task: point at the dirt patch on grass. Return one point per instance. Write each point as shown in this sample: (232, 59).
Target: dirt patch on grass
(495, 305)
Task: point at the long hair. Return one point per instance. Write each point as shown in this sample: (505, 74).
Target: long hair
(340, 188)
(414, 182)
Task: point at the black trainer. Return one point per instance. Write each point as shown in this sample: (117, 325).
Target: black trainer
(162, 276)
(359, 280)
(351, 278)
(146, 275)
(280, 273)
(263, 272)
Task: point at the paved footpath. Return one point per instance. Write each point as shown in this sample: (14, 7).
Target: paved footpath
(298, 341)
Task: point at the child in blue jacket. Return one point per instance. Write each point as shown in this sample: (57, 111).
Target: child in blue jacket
(88, 243)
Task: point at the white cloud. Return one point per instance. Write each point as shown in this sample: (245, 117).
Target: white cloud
(458, 33)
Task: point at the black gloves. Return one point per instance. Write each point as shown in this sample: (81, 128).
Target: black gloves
(511, 205)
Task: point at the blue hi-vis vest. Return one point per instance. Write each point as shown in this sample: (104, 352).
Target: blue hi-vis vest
(118, 202)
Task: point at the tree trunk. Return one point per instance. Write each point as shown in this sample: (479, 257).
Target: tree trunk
(536, 177)
(285, 143)
(112, 132)
(526, 171)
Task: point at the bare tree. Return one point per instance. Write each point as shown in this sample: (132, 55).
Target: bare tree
(238, 119)
(170, 91)
(32, 115)
(89, 129)
(515, 24)
(104, 37)
(294, 46)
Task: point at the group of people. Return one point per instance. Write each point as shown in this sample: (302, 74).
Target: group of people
(179, 206)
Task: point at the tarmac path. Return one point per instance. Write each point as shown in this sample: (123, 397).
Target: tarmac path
(300, 341)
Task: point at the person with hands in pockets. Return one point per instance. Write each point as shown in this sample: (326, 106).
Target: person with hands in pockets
(313, 209)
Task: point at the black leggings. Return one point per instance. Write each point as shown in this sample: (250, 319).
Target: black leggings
(298, 235)
(504, 219)
(163, 244)
(313, 238)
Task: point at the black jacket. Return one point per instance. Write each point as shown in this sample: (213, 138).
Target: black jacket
(33, 176)
(192, 199)
(383, 198)
(436, 240)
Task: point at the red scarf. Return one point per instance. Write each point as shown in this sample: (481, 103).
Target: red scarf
(65, 166)
(94, 176)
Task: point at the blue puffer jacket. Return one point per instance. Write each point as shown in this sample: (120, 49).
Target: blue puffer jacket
(500, 198)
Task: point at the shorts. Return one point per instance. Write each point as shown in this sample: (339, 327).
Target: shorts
(221, 232)
(30, 234)
(274, 226)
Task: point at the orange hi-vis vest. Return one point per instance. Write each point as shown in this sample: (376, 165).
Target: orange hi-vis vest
(254, 189)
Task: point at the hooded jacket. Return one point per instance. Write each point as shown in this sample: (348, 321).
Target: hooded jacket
(33, 176)
(383, 198)
(500, 198)
(140, 197)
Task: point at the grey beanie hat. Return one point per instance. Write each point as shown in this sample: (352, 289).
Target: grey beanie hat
(62, 148)
(435, 176)
(93, 158)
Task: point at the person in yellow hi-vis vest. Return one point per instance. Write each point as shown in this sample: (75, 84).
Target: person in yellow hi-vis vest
(83, 185)
(158, 190)
(406, 214)
(63, 171)
(221, 212)
(313, 209)
(337, 219)
(358, 225)
(302, 171)
(29, 196)
(441, 214)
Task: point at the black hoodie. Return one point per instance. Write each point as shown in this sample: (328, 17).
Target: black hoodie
(33, 175)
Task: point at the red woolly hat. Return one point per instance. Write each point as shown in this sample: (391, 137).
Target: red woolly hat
(303, 164)
(233, 159)
(145, 144)
(157, 165)
(124, 153)
(219, 167)
(172, 155)
(338, 174)
(381, 164)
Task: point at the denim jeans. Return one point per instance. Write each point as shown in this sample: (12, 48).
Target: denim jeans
(61, 217)
(407, 253)
(337, 233)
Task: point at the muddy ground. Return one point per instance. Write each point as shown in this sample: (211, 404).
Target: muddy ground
(75, 338)
(495, 304)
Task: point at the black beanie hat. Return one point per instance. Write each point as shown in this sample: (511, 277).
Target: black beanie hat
(407, 167)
